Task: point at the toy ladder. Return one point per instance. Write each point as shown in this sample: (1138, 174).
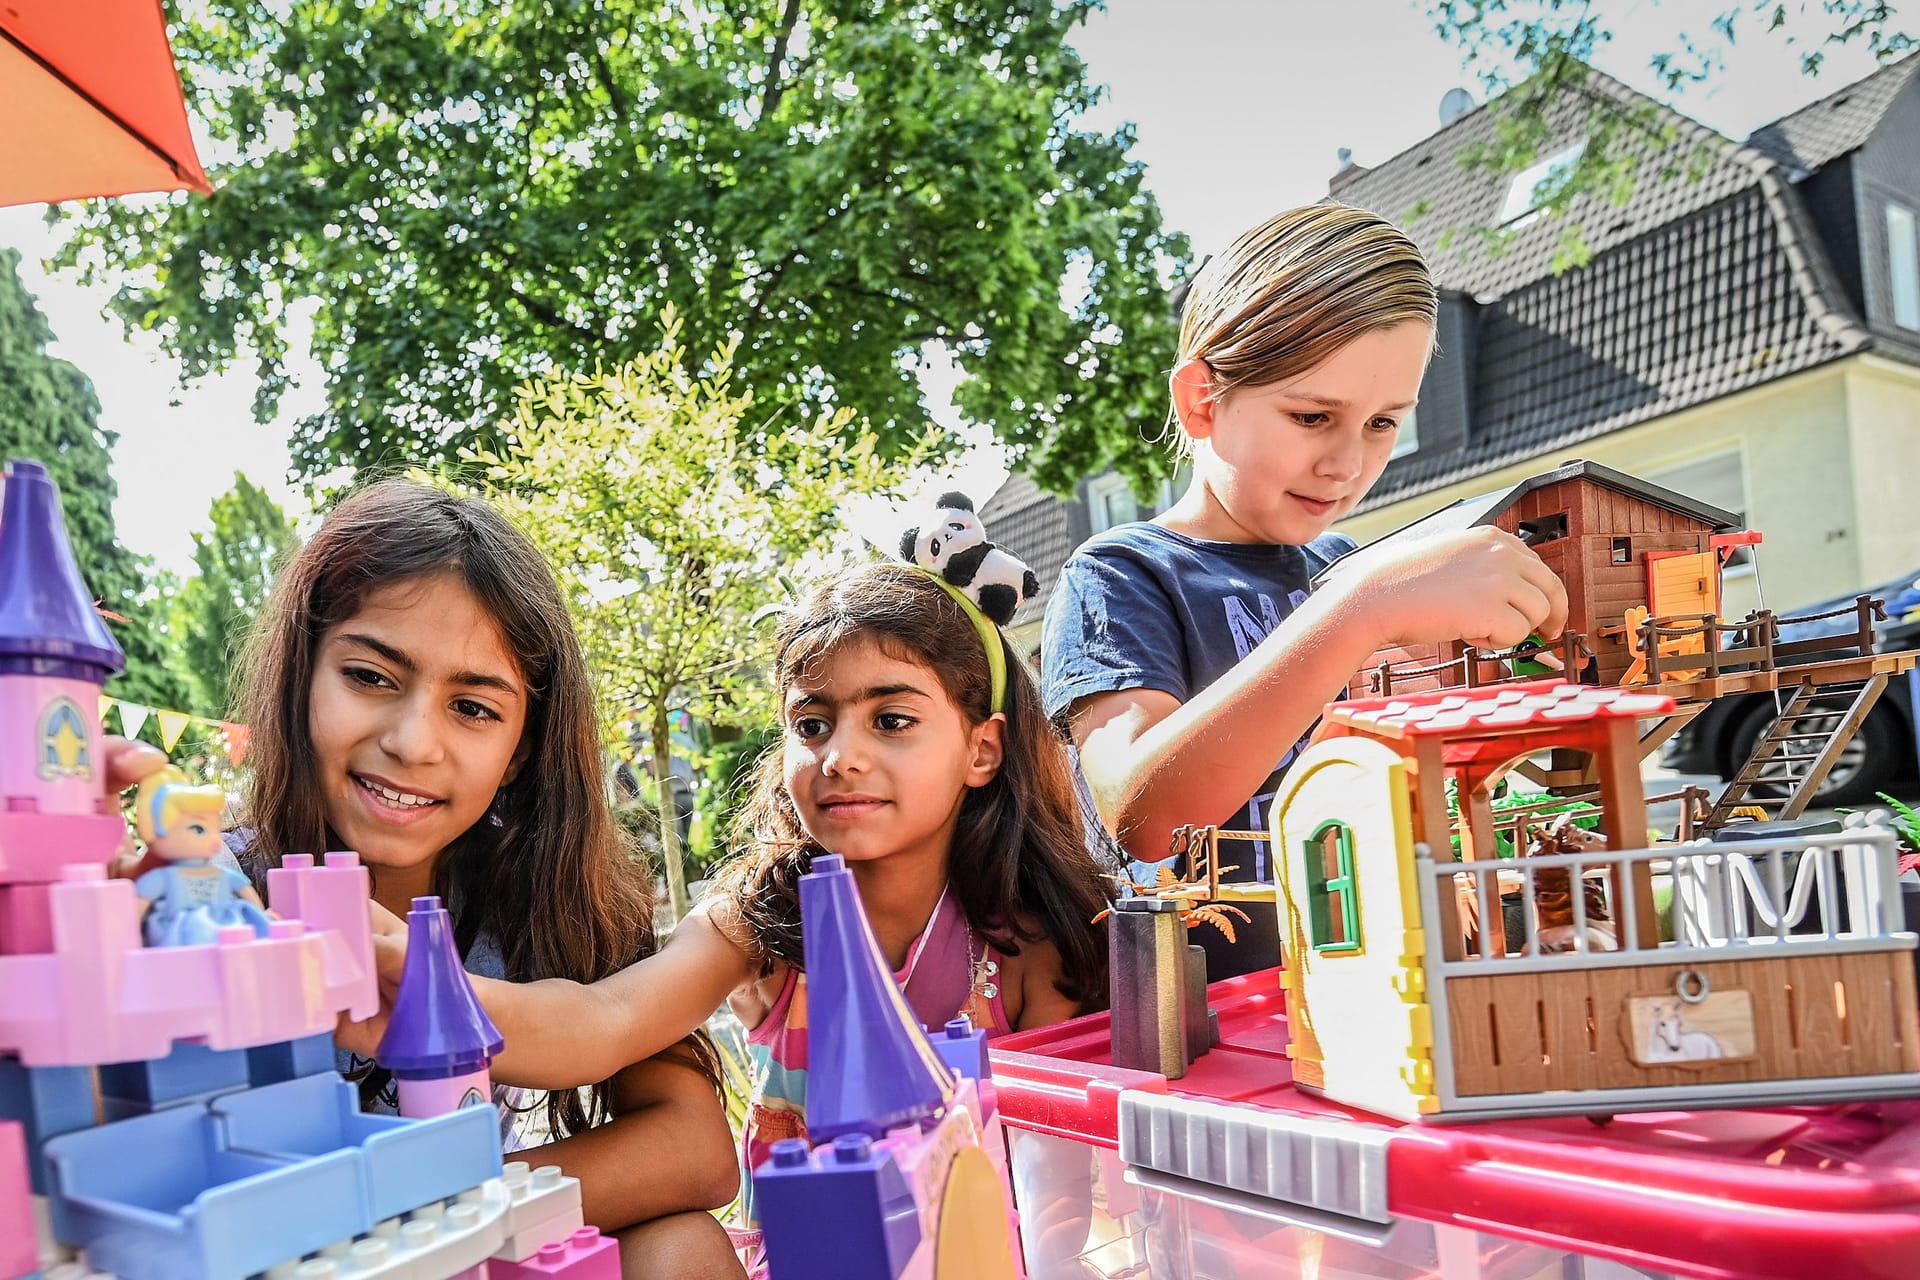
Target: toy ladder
(1793, 757)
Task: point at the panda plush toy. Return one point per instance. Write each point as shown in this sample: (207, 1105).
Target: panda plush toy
(952, 543)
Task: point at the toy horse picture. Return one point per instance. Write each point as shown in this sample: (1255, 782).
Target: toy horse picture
(1553, 890)
(1671, 1038)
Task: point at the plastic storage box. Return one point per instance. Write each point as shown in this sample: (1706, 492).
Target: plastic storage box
(1233, 1174)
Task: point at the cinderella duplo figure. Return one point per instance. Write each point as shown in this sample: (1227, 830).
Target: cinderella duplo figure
(188, 901)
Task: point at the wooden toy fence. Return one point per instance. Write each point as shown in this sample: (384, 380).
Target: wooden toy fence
(1752, 644)
(1828, 997)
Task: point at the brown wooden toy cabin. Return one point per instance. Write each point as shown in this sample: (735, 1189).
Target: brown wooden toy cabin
(1618, 542)
(1642, 568)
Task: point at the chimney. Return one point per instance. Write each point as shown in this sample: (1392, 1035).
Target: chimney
(1347, 171)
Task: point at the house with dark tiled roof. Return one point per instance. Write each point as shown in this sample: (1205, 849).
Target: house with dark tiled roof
(1746, 331)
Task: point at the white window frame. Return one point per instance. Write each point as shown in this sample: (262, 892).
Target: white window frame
(1903, 266)
(1101, 490)
(1523, 191)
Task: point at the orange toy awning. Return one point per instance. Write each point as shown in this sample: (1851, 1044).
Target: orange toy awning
(90, 103)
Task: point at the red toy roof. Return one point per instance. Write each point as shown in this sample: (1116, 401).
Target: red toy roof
(1506, 708)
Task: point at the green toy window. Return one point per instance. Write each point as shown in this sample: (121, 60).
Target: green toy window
(1333, 904)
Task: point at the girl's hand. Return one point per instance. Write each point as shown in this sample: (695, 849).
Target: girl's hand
(389, 949)
(127, 762)
(1483, 586)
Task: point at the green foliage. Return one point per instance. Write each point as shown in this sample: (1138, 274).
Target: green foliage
(1549, 43)
(1906, 821)
(730, 768)
(1504, 804)
(50, 414)
(474, 191)
(251, 535)
(676, 504)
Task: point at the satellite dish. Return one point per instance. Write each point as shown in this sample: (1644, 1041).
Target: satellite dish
(1455, 104)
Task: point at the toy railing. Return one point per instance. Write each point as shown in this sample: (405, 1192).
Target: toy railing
(1725, 898)
(1571, 649)
(1750, 644)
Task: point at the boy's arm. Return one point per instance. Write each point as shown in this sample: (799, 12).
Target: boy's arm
(1155, 763)
(667, 1119)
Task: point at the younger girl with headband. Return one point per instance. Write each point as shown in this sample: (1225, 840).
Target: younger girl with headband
(933, 771)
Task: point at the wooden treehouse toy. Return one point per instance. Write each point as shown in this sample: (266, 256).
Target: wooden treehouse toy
(1642, 567)
(1685, 976)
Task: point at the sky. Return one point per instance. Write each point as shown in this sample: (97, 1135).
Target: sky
(1240, 108)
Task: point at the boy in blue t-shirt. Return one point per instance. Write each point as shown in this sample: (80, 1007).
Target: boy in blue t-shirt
(1185, 655)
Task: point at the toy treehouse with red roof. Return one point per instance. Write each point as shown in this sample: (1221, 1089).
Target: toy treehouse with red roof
(1643, 569)
(1423, 986)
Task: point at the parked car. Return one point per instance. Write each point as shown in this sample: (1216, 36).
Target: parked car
(1880, 757)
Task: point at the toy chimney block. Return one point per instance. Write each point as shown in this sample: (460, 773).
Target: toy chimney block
(55, 655)
(1153, 1028)
(872, 1068)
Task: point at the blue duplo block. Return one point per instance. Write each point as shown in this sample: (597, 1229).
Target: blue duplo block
(407, 1163)
(47, 1101)
(162, 1197)
(963, 1047)
(290, 1059)
(191, 1073)
(848, 1215)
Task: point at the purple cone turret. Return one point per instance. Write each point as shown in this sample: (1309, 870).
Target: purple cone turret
(871, 1068)
(55, 655)
(439, 1041)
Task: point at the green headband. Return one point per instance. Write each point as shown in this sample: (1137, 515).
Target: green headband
(989, 638)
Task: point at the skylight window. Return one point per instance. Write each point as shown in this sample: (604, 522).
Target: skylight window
(1523, 196)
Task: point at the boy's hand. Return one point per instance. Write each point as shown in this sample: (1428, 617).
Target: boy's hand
(1483, 586)
(127, 762)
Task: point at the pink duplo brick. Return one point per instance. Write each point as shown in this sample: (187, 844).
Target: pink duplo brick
(585, 1255)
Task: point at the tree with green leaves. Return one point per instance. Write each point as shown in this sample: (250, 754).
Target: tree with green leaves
(1533, 56)
(236, 559)
(674, 505)
(470, 191)
(49, 413)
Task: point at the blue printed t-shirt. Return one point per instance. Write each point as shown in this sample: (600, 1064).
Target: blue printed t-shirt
(1143, 607)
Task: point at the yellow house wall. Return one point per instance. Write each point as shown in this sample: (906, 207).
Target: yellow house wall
(1885, 425)
(1358, 1002)
(1830, 457)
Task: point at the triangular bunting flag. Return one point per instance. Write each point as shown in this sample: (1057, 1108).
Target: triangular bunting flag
(106, 705)
(132, 716)
(172, 725)
(239, 738)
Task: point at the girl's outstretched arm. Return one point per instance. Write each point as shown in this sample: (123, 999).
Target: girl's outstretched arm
(564, 1035)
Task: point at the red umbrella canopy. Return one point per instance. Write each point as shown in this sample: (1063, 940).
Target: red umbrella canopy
(90, 103)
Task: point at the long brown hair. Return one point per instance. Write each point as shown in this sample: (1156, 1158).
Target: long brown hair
(1019, 865)
(548, 875)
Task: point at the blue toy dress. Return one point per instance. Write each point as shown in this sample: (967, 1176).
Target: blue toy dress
(192, 901)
